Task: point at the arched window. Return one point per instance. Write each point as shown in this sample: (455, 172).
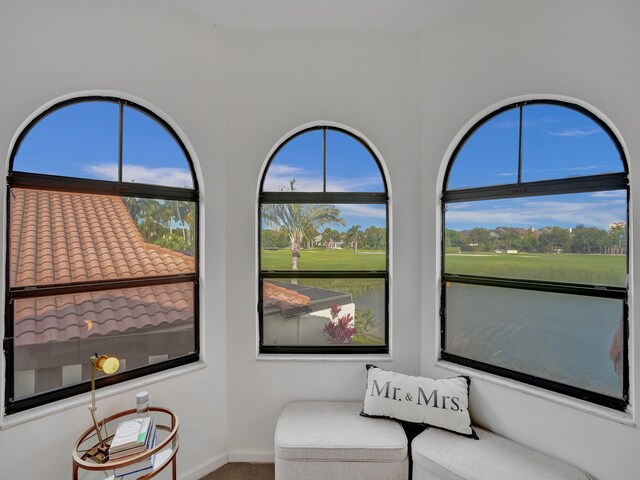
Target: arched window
(102, 249)
(535, 261)
(323, 246)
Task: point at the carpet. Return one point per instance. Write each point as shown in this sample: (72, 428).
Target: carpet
(243, 471)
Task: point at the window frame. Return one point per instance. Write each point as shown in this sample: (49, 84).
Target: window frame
(40, 181)
(324, 197)
(519, 189)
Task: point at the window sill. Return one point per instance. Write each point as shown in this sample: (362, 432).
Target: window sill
(8, 421)
(624, 418)
(294, 357)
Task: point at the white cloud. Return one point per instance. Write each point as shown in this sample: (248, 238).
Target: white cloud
(576, 132)
(359, 210)
(525, 123)
(536, 213)
(103, 171)
(276, 183)
(175, 177)
(279, 177)
(581, 168)
(610, 194)
(359, 184)
(280, 169)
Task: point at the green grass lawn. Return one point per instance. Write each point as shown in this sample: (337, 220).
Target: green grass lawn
(567, 267)
(366, 340)
(323, 259)
(574, 268)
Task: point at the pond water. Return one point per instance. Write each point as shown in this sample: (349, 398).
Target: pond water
(565, 338)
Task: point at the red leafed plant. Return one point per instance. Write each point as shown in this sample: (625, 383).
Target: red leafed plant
(341, 330)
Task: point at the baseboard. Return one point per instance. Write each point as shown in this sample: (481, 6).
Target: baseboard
(204, 468)
(256, 456)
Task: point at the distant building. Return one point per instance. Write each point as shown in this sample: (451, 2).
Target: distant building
(617, 225)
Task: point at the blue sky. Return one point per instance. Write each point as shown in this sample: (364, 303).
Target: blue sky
(557, 142)
(81, 140)
(350, 168)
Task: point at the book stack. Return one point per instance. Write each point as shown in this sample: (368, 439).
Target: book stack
(133, 437)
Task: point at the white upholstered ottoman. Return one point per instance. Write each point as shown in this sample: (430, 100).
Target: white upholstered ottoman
(330, 440)
(440, 455)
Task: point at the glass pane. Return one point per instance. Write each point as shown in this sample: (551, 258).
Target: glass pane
(490, 155)
(576, 238)
(317, 311)
(55, 336)
(298, 161)
(298, 236)
(559, 142)
(350, 166)
(150, 154)
(59, 237)
(574, 340)
(79, 140)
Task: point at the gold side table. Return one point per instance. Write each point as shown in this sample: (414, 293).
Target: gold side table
(170, 440)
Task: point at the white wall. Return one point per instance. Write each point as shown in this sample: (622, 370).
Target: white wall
(234, 95)
(153, 51)
(582, 49)
(278, 82)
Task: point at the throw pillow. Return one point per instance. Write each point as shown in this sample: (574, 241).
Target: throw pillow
(442, 403)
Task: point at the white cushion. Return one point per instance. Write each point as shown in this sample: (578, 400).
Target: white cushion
(439, 455)
(334, 431)
(442, 403)
(328, 470)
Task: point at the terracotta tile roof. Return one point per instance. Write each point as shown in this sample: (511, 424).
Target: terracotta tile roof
(109, 312)
(59, 237)
(275, 296)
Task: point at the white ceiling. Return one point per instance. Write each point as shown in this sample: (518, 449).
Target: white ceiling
(323, 15)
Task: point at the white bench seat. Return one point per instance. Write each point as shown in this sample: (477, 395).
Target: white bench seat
(330, 440)
(440, 455)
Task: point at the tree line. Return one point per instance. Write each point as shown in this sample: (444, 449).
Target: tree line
(166, 223)
(372, 238)
(579, 239)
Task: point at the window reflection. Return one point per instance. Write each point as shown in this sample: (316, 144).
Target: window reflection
(565, 338)
(55, 335)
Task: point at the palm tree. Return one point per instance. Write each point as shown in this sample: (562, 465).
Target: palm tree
(298, 220)
(353, 235)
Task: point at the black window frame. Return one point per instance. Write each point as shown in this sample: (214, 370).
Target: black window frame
(324, 197)
(519, 189)
(40, 181)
